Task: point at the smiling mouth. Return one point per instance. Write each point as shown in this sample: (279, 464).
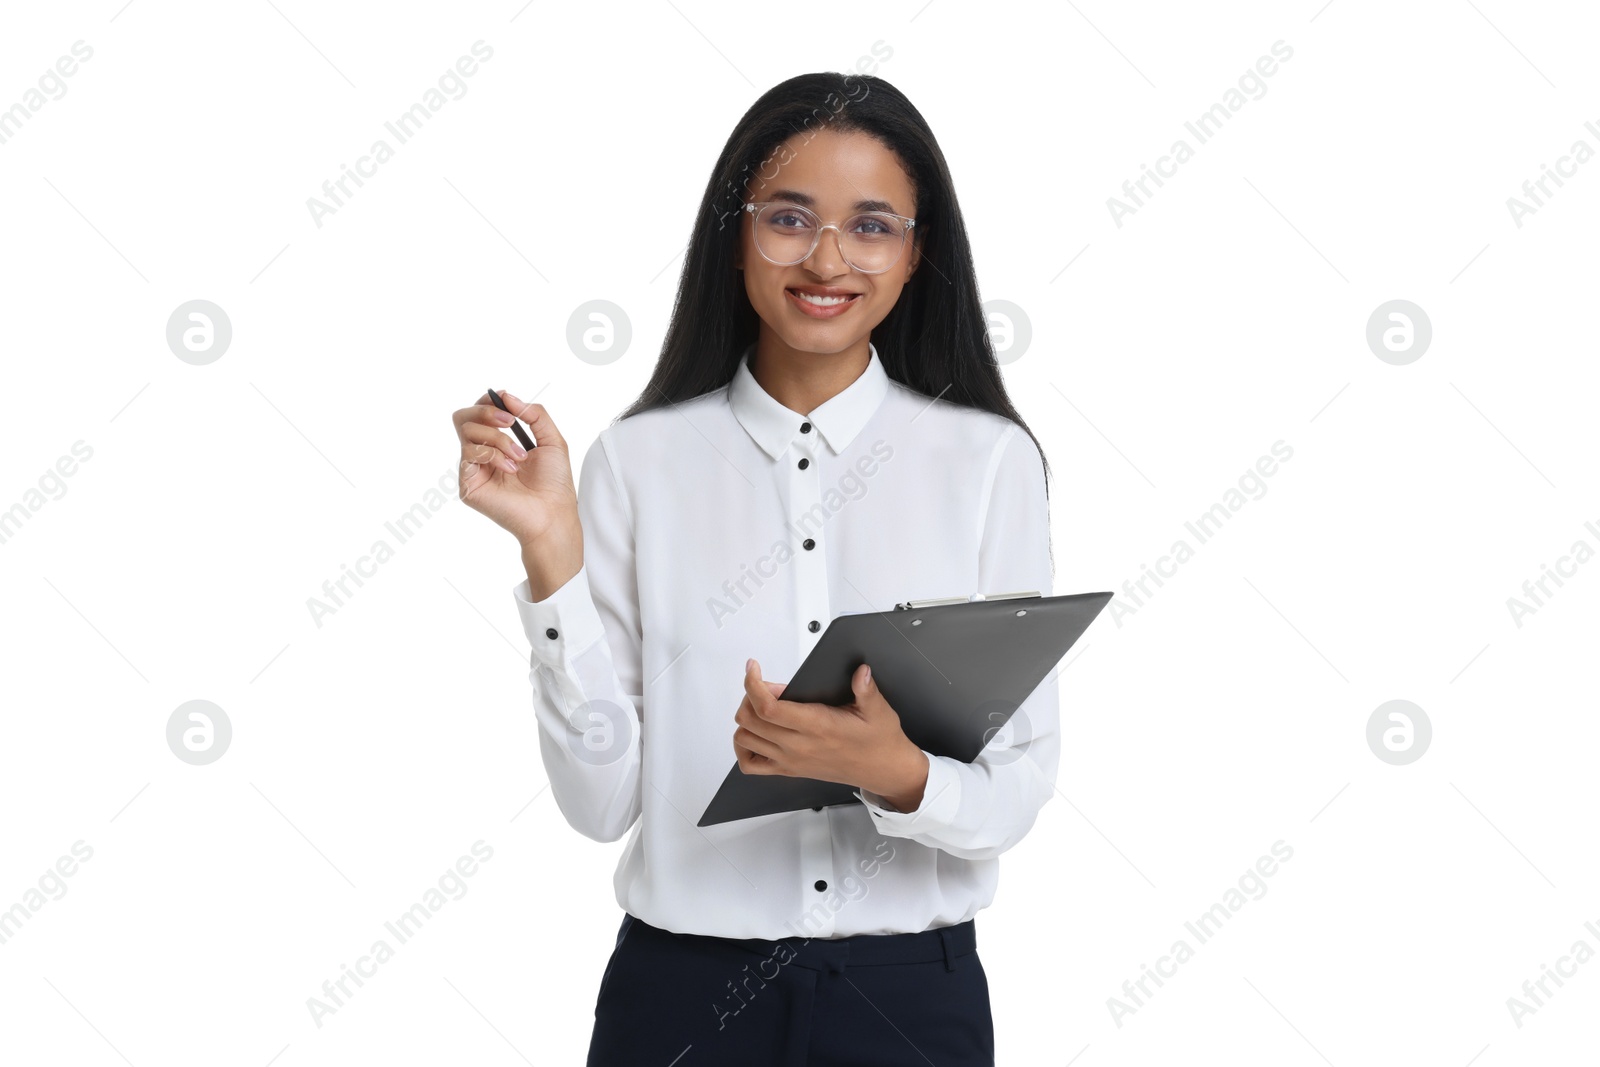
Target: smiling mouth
(822, 301)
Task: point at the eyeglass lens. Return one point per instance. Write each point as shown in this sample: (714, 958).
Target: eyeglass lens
(786, 233)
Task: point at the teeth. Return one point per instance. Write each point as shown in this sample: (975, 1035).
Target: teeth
(821, 301)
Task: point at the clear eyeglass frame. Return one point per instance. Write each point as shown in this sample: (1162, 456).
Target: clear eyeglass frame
(755, 207)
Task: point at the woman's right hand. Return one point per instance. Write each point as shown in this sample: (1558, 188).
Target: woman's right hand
(528, 493)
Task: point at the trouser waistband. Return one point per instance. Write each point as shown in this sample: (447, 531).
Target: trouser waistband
(946, 943)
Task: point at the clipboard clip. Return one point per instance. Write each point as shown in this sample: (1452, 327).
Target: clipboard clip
(935, 602)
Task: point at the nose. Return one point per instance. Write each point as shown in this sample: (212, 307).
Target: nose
(827, 258)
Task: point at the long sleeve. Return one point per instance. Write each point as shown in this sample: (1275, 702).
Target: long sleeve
(586, 664)
(980, 809)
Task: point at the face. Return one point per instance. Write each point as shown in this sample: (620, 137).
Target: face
(831, 174)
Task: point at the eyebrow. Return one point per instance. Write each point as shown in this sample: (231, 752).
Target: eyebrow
(806, 200)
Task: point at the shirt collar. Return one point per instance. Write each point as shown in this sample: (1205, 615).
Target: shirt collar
(838, 419)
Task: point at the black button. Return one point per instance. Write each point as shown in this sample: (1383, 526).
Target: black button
(804, 463)
(805, 427)
(821, 885)
(808, 544)
(817, 808)
(551, 633)
(813, 626)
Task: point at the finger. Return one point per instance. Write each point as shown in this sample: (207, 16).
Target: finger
(755, 694)
(762, 700)
(775, 688)
(754, 742)
(476, 427)
(756, 690)
(477, 433)
(483, 413)
(752, 722)
(487, 456)
(751, 762)
(473, 476)
(538, 420)
(862, 685)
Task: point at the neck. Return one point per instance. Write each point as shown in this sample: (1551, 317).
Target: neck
(804, 381)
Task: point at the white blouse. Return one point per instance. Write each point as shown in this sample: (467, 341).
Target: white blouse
(728, 526)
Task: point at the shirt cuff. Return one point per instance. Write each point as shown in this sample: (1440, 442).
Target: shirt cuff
(941, 799)
(562, 625)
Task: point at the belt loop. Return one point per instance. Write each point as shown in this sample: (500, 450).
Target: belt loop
(949, 953)
(837, 962)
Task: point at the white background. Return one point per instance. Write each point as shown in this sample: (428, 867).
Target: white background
(1228, 313)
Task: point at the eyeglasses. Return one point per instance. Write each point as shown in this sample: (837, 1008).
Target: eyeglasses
(787, 234)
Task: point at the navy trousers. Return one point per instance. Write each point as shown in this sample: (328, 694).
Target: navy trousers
(688, 1000)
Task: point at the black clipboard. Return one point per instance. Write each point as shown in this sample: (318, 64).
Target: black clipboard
(956, 669)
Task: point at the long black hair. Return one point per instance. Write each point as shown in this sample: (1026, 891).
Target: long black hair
(935, 340)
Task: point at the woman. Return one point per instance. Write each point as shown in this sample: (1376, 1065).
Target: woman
(826, 431)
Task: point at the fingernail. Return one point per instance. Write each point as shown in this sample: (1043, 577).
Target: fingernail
(749, 663)
(867, 675)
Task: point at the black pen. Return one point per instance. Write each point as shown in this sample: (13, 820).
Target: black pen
(516, 427)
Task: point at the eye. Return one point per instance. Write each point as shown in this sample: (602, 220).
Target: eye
(790, 217)
(876, 227)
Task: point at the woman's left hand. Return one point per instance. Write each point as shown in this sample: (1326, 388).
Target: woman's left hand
(859, 744)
